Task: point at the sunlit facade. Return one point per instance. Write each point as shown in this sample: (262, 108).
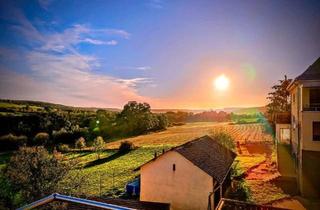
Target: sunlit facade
(305, 129)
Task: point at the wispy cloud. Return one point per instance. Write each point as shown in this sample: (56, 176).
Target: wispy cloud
(73, 36)
(99, 42)
(156, 4)
(59, 72)
(135, 81)
(45, 3)
(140, 68)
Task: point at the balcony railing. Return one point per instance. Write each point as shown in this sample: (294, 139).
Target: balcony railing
(312, 109)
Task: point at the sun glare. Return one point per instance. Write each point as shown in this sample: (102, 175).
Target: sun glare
(221, 82)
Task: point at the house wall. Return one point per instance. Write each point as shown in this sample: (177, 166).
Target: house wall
(301, 132)
(306, 131)
(295, 93)
(186, 188)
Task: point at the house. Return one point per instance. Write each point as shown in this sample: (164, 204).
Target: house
(305, 129)
(73, 203)
(190, 176)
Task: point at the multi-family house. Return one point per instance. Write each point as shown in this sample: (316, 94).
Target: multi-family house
(305, 129)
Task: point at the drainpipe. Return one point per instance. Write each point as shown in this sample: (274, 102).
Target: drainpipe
(209, 197)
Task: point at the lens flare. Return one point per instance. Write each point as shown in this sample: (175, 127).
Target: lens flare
(221, 82)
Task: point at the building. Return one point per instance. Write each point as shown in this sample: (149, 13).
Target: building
(190, 176)
(305, 129)
(283, 127)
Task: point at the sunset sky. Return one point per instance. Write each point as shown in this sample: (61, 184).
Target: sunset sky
(164, 52)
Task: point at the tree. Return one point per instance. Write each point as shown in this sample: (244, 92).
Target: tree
(34, 173)
(125, 147)
(279, 97)
(80, 143)
(98, 145)
(41, 138)
(224, 139)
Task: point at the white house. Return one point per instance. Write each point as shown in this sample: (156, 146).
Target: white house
(304, 132)
(190, 176)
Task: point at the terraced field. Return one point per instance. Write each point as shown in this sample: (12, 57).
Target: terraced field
(243, 133)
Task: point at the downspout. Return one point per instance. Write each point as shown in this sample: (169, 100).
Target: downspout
(209, 197)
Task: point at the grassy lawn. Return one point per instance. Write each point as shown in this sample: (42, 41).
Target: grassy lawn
(246, 162)
(110, 174)
(265, 192)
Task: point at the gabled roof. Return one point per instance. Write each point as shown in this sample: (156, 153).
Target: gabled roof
(208, 155)
(312, 73)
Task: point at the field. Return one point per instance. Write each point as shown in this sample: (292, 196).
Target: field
(109, 175)
(244, 133)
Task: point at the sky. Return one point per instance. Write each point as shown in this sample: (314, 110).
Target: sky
(163, 52)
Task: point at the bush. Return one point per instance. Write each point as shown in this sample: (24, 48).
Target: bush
(34, 173)
(41, 139)
(240, 191)
(98, 145)
(80, 143)
(63, 148)
(224, 139)
(67, 136)
(12, 142)
(125, 147)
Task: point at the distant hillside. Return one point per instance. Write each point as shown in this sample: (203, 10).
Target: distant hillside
(236, 110)
(41, 104)
(249, 110)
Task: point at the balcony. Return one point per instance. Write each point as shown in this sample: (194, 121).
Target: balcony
(312, 108)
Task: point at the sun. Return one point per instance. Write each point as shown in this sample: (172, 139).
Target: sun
(221, 82)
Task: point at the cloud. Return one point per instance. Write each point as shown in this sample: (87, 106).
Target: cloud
(45, 3)
(23, 26)
(66, 40)
(141, 68)
(135, 81)
(58, 72)
(99, 42)
(70, 37)
(117, 32)
(69, 80)
(156, 4)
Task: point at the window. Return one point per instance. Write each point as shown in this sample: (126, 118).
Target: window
(285, 135)
(314, 98)
(174, 167)
(316, 131)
